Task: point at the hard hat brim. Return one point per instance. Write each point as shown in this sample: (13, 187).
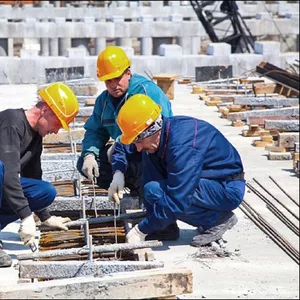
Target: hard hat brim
(126, 140)
(64, 125)
(112, 75)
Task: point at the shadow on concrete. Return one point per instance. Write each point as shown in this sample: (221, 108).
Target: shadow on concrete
(185, 238)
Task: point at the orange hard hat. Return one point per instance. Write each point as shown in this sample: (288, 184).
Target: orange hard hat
(111, 63)
(63, 102)
(136, 115)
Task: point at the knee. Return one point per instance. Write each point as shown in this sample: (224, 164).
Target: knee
(152, 191)
(49, 192)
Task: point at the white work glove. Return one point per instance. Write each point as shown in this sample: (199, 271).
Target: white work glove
(57, 222)
(90, 167)
(135, 236)
(109, 152)
(116, 188)
(27, 230)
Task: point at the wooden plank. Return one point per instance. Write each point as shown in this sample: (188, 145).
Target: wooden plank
(264, 88)
(129, 285)
(71, 269)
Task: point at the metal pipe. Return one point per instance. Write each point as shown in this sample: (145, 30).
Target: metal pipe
(85, 250)
(277, 200)
(105, 219)
(284, 191)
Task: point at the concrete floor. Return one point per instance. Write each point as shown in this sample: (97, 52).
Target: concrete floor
(257, 268)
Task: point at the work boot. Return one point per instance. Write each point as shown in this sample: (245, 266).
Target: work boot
(5, 260)
(225, 222)
(169, 233)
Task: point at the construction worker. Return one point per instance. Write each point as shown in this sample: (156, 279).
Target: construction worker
(22, 191)
(192, 172)
(113, 67)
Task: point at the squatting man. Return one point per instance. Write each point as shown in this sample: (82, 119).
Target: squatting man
(22, 191)
(191, 171)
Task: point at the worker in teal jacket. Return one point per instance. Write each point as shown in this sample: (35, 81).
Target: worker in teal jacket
(113, 67)
(191, 171)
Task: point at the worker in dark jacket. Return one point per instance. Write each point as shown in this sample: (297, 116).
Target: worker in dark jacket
(21, 189)
(113, 67)
(191, 171)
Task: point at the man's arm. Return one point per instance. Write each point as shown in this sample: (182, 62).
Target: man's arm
(96, 136)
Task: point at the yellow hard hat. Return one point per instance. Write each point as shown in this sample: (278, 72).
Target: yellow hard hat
(111, 63)
(63, 102)
(136, 115)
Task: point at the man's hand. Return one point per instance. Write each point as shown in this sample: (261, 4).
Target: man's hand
(57, 222)
(27, 230)
(115, 191)
(135, 236)
(90, 167)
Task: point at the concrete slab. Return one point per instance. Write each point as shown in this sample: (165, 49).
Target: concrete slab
(257, 268)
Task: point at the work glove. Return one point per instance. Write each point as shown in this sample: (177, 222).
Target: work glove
(90, 167)
(57, 222)
(116, 188)
(27, 230)
(135, 236)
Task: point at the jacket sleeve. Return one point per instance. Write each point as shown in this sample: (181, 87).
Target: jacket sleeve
(10, 156)
(120, 155)
(95, 136)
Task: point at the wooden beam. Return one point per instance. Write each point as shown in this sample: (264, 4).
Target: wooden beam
(129, 285)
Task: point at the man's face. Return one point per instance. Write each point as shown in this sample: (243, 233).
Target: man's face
(117, 87)
(48, 122)
(149, 144)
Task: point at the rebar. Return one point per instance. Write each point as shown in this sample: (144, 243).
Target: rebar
(284, 191)
(262, 224)
(277, 200)
(275, 210)
(85, 250)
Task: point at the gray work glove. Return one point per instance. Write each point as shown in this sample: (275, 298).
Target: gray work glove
(57, 222)
(90, 167)
(27, 230)
(135, 236)
(116, 188)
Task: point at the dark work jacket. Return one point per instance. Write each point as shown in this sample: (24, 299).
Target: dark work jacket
(189, 149)
(20, 151)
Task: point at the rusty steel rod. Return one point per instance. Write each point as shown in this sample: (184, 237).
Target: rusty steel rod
(277, 200)
(284, 191)
(263, 225)
(85, 250)
(275, 210)
(105, 219)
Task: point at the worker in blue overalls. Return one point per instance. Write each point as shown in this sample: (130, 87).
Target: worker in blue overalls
(191, 171)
